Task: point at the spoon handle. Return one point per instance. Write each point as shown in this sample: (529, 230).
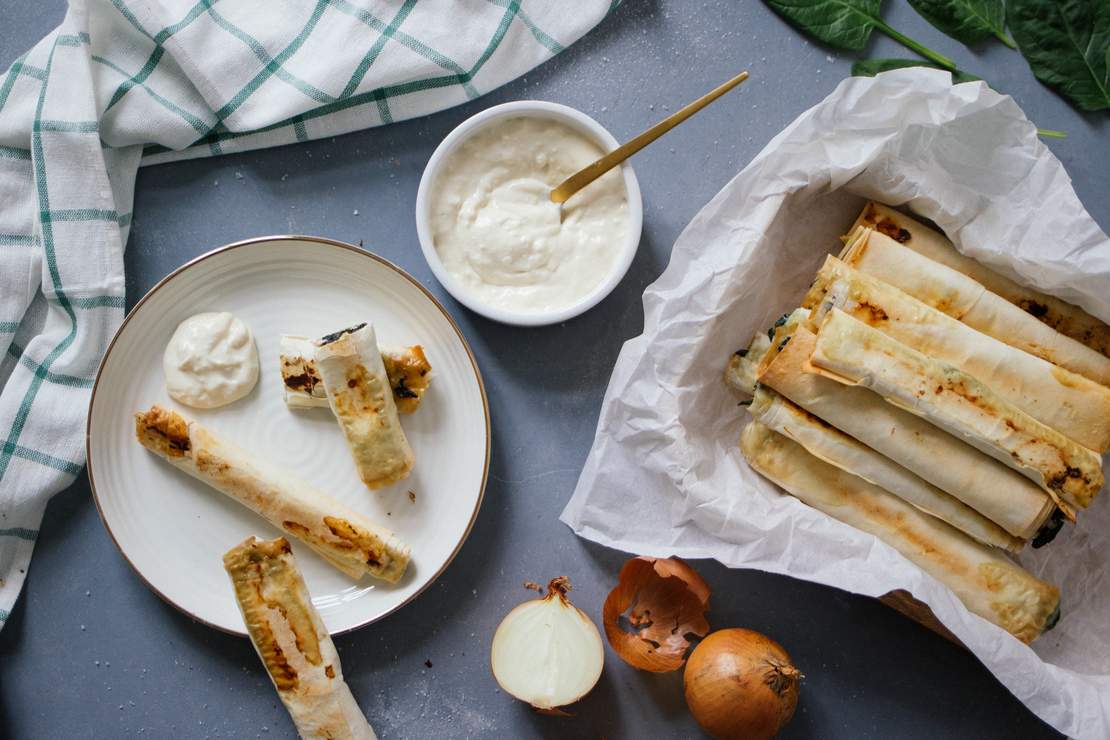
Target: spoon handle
(591, 172)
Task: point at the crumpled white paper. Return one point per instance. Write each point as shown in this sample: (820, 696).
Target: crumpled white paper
(666, 446)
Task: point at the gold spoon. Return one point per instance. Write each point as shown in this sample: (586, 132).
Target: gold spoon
(591, 172)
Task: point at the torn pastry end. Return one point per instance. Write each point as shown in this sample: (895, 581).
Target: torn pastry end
(299, 374)
(292, 641)
(336, 336)
(409, 374)
(884, 224)
(364, 541)
(163, 431)
(251, 564)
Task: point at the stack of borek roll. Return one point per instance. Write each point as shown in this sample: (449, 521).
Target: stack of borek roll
(949, 411)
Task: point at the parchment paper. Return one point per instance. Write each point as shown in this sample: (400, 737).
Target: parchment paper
(666, 445)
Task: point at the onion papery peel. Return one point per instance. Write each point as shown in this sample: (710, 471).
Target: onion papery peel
(665, 601)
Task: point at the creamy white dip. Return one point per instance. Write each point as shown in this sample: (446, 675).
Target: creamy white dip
(210, 361)
(498, 233)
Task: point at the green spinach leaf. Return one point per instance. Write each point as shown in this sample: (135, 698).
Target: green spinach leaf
(872, 67)
(967, 21)
(847, 24)
(1067, 45)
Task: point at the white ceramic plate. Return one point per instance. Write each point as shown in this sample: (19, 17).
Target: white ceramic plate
(174, 529)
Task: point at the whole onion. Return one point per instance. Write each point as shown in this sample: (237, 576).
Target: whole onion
(741, 684)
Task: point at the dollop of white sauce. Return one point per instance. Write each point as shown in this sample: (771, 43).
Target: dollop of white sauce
(210, 361)
(497, 231)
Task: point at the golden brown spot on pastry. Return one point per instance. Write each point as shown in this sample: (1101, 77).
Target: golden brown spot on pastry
(300, 375)
(1069, 379)
(893, 230)
(872, 314)
(364, 541)
(960, 389)
(945, 304)
(300, 624)
(297, 529)
(259, 568)
(209, 463)
(1065, 480)
(329, 671)
(302, 381)
(277, 576)
(1026, 610)
(164, 431)
(917, 540)
(302, 532)
(1034, 451)
(365, 395)
(408, 377)
(1097, 339)
(773, 457)
(808, 416)
(284, 675)
(1035, 308)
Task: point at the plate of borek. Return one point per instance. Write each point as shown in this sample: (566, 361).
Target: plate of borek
(365, 440)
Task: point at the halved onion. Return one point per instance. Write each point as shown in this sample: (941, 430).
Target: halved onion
(546, 651)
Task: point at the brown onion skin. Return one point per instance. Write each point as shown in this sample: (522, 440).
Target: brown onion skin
(741, 684)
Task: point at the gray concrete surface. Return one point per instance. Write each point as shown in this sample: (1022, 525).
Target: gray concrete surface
(90, 652)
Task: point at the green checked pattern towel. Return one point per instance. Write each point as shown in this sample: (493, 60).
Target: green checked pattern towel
(124, 83)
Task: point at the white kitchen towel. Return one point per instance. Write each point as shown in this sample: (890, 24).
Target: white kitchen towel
(123, 83)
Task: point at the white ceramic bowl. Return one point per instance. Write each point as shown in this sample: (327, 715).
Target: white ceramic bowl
(539, 109)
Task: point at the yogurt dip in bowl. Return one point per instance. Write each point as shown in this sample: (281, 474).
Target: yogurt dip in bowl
(493, 237)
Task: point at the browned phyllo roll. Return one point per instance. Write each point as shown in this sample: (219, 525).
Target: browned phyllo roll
(933, 279)
(856, 354)
(1068, 402)
(999, 493)
(292, 641)
(1065, 317)
(987, 582)
(408, 370)
(360, 396)
(343, 537)
(828, 443)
